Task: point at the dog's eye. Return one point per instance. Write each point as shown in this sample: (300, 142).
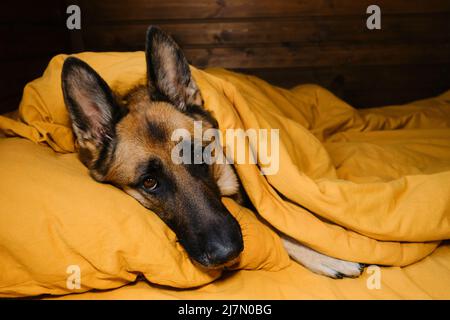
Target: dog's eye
(150, 184)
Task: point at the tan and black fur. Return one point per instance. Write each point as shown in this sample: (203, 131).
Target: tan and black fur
(126, 141)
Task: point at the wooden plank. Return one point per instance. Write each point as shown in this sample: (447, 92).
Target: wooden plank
(418, 29)
(116, 10)
(366, 86)
(373, 98)
(22, 41)
(10, 103)
(31, 32)
(317, 56)
(394, 77)
(17, 73)
(33, 12)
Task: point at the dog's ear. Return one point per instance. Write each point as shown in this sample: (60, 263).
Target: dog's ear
(90, 102)
(92, 109)
(169, 76)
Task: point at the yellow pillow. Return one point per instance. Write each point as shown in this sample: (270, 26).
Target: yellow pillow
(55, 220)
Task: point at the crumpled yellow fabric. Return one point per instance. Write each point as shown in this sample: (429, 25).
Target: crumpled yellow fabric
(54, 217)
(371, 186)
(426, 279)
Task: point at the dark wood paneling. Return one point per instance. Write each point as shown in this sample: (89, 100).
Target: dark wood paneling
(31, 33)
(362, 85)
(366, 98)
(276, 39)
(31, 12)
(25, 42)
(319, 56)
(132, 10)
(16, 74)
(394, 76)
(285, 42)
(308, 30)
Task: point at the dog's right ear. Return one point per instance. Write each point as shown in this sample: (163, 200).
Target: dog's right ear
(93, 111)
(90, 103)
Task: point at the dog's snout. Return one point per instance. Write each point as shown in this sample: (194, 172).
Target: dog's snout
(218, 253)
(209, 233)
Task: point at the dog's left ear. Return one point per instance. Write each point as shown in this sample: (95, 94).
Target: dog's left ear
(169, 76)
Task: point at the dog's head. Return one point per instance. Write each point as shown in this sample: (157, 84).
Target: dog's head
(127, 142)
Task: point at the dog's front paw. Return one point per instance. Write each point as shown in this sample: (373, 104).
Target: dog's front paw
(335, 268)
(320, 263)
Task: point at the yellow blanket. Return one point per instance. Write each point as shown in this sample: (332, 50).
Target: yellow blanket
(371, 186)
(426, 279)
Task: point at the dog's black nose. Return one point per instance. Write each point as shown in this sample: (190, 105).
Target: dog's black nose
(219, 254)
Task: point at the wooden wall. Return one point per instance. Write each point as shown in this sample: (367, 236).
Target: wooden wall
(285, 42)
(30, 34)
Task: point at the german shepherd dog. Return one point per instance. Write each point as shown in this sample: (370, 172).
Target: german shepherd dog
(125, 141)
